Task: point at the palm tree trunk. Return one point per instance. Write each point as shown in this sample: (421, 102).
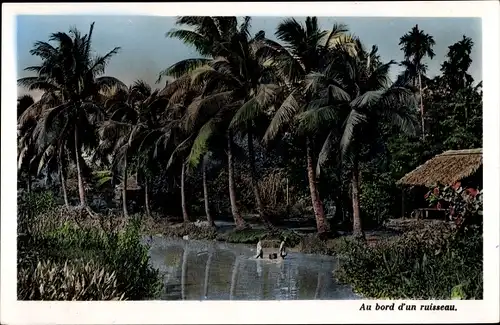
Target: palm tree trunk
(63, 180)
(124, 189)
(185, 215)
(421, 104)
(81, 189)
(319, 212)
(253, 180)
(356, 214)
(205, 196)
(238, 220)
(146, 197)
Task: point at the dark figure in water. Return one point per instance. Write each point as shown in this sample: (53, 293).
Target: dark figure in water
(283, 252)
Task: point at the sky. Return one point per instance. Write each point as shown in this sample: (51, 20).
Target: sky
(145, 50)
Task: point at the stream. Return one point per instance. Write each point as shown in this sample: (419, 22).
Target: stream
(210, 270)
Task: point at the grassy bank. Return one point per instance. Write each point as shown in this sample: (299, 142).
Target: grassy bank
(65, 255)
(269, 238)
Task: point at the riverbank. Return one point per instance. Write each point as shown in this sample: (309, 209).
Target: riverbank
(409, 259)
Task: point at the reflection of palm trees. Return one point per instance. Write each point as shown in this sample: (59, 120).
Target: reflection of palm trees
(184, 271)
(259, 268)
(234, 277)
(318, 287)
(207, 273)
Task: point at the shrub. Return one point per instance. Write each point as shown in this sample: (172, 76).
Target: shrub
(72, 280)
(418, 265)
(312, 244)
(129, 257)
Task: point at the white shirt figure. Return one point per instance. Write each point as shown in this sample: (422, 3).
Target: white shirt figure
(260, 252)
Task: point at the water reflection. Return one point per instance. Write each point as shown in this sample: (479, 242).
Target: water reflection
(202, 270)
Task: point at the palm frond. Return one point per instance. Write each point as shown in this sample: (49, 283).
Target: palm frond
(99, 63)
(200, 144)
(191, 38)
(183, 67)
(107, 83)
(205, 107)
(326, 149)
(354, 120)
(367, 99)
(179, 150)
(283, 117)
(314, 119)
(245, 26)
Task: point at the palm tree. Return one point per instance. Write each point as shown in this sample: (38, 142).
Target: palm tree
(361, 84)
(210, 112)
(307, 49)
(243, 92)
(455, 68)
(34, 156)
(417, 45)
(69, 72)
(132, 115)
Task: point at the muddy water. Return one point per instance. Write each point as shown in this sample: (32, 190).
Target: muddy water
(204, 270)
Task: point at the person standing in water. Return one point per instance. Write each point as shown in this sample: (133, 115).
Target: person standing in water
(260, 252)
(282, 251)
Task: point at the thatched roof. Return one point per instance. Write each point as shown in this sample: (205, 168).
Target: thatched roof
(446, 168)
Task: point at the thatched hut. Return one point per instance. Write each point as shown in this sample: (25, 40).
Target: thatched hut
(452, 166)
(134, 191)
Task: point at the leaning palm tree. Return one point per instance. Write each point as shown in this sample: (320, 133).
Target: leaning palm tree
(307, 50)
(33, 156)
(70, 72)
(243, 92)
(361, 84)
(416, 45)
(212, 110)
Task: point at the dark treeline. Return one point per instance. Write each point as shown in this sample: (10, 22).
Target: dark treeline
(309, 125)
